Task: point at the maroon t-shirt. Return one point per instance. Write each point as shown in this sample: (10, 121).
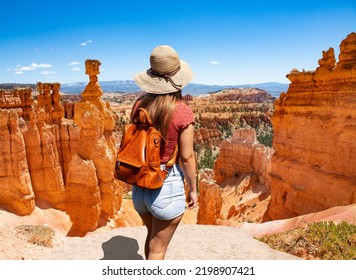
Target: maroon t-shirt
(182, 117)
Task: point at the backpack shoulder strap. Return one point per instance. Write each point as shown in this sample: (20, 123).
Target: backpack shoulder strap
(171, 161)
(141, 116)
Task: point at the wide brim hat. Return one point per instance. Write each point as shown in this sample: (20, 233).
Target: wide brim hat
(167, 73)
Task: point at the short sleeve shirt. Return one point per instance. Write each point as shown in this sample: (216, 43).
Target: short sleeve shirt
(182, 117)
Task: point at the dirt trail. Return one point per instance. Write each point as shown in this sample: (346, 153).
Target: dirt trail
(190, 242)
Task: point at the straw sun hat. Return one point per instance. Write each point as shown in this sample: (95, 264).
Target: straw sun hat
(167, 73)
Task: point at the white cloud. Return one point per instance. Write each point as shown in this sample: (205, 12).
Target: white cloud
(76, 69)
(86, 43)
(45, 72)
(41, 65)
(74, 63)
(25, 68)
(20, 69)
(214, 62)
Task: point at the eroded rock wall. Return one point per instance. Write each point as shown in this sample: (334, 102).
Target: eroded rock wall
(243, 154)
(17, 98)
(16, 193)
(314, 123)
(43, 160)
(207, 137)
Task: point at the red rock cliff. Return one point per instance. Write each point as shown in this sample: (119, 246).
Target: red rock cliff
(314, 123)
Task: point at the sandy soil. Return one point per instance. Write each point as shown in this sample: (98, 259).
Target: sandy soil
(190, 242)
(205, 243)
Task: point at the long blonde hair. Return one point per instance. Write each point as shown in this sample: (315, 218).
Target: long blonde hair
(160, 107)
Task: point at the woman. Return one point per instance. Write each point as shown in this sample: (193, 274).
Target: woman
(162, 209)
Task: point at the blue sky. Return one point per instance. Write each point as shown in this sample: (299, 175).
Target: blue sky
(225, 42)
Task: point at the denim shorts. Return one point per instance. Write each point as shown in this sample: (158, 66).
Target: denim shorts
(165, 203)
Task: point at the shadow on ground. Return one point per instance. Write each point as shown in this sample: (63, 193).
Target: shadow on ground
(121, 248)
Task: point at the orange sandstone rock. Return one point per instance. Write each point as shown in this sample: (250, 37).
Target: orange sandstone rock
(243, 154)
(43, 161)
(97, 143)
(68, 144)
(16, 193)
(49, 99)
(242, 170)
(314, 165)
(83, 196)
(244, 199)
(27, 101)
(17, 98)
(207, 137)
(68, 109)
(209, 200)
(58, 110)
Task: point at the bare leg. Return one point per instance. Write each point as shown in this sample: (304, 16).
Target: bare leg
(147, 219)
(161, 234)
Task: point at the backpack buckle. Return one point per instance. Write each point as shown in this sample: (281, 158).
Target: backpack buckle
(166, 169)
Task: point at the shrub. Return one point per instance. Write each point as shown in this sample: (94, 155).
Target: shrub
(208, 159)
(40, 235)
(265, 139)
(320, 240)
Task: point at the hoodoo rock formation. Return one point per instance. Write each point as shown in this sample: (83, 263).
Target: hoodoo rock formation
(57, 162)
(314, 123)
(43, 160)
(49, 99)
(16, 188)
(210, 201)
(97, 145)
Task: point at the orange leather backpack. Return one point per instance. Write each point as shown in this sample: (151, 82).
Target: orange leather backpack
(138, 159)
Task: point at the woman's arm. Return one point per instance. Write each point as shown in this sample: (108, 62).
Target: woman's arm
(188, 163)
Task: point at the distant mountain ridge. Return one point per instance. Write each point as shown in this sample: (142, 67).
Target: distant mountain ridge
(129, 86)
(9, 86)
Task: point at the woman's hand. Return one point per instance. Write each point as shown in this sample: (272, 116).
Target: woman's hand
(192, 199)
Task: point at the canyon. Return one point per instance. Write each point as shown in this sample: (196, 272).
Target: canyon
(59, 151)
